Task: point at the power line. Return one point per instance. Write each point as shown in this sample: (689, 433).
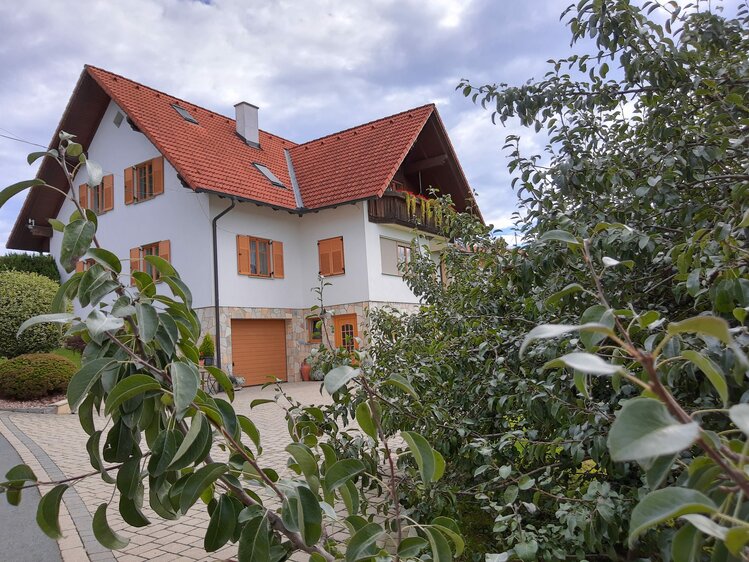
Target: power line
(23, 141)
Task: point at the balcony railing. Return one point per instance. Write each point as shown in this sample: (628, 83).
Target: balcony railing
(392, 208)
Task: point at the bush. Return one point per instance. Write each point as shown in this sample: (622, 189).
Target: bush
(207, 349)
(31, 263)
(35, 375)
(75, 343)
(23, 295)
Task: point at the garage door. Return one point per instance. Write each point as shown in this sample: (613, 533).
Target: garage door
(258, 350)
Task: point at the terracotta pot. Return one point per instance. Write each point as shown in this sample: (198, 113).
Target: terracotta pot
(305, 370)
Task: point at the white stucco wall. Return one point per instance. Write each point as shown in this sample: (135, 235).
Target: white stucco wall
(178, 215)
(299, 236)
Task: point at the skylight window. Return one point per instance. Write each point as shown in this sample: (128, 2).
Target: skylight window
(268, 174)
(184, 113)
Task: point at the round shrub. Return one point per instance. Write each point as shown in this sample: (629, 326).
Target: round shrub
(35, 375)
(23, 295)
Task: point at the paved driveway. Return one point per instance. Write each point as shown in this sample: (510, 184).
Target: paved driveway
(55, 448)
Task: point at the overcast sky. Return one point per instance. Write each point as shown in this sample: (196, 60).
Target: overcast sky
(313, 67)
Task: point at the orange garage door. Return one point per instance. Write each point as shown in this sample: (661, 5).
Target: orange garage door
(258, 350)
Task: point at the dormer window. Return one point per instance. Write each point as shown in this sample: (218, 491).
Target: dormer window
(270, 176)
(184, 113)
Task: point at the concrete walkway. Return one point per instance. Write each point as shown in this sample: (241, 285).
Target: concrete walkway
(20, 537)
(55, 448)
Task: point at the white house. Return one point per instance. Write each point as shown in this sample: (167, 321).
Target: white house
(250, 219)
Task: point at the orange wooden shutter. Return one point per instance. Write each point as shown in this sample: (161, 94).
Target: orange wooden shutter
(108, 188)
(277, 259)
(157, 169)
(83, 195)
(79, 266)
(323, 249)
(336, 255)
(165, 250)
(135, 264)
(243, 254)
(129, 187)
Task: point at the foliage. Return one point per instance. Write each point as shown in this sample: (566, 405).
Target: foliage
(75, 343)
(23, 295)
(140, 370)
(35, 375)
(43, 264)
(324, 359)
(207, 348)
(634, 268)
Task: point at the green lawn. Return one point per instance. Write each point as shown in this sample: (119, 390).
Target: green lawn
(70, 354)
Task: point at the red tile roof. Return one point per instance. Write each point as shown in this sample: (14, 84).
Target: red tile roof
(209, 155)
(357, 163)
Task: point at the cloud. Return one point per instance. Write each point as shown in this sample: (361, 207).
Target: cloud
(313, 67)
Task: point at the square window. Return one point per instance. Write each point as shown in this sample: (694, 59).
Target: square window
(144, 181)
(404, 257)
(314, 330)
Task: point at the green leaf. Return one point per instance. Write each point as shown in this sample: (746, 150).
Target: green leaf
(20, 473)
(103, 532)
(254, 543)
(192, 444)
(57, 225)
(659, 470)
(736, 539)
(131, 509)
(99, 324)
(199, 481)
(545, 331)
(34, 156)
(16, 188)
(585, 363)
(526, 551)
(644, 429)
(686, 545)
(707, 526)
(665, 505)
(148, 321)
(309, 516)
(76, 240)
(450, 529)
(341, 472)
(105, 258)
(511, 493)
(581, 383)
(95, 458)
(359, 546)
(162, 266)
(430, 462)
(82, 382)
(185, 382)
(400, 382)
(223, 380)
(559, 295)
(440, 548)
(221, 525)
(338, 377)
(693, 282)
(365, 421)
(56, 318)
(48, 512)
(73, 149)
(128, 477)
(127, 388)
(250, 429)
(739, 415)
(559, 236)
(704, 325)
(711, 371)
(411, 546)
(303, 456)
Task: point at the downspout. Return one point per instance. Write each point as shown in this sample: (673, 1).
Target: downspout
(216, 312)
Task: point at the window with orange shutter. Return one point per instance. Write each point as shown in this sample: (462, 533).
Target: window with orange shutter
(259, 257)
(331, 256)
(144, 181)
(138, 262)
(100, 198)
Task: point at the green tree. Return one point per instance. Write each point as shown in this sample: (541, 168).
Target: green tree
(634, 222)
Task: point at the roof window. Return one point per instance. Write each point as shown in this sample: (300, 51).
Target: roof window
(184, 113)
(269, 175)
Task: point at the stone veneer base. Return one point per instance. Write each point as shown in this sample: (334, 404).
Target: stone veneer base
(298, 346)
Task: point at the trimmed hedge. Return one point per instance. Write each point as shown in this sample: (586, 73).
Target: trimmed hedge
(31, 263)
(23, 295)
(35, 375)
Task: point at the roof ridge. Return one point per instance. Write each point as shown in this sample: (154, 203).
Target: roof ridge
(432, 105)
(163, 93)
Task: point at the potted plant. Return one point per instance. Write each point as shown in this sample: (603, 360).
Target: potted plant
(207, 350)
(304, 370)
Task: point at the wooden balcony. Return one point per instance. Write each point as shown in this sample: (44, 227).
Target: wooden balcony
(392, 208)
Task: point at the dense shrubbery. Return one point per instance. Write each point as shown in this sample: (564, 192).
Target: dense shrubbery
(35, 375)
(31, 263)
(23, 295)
